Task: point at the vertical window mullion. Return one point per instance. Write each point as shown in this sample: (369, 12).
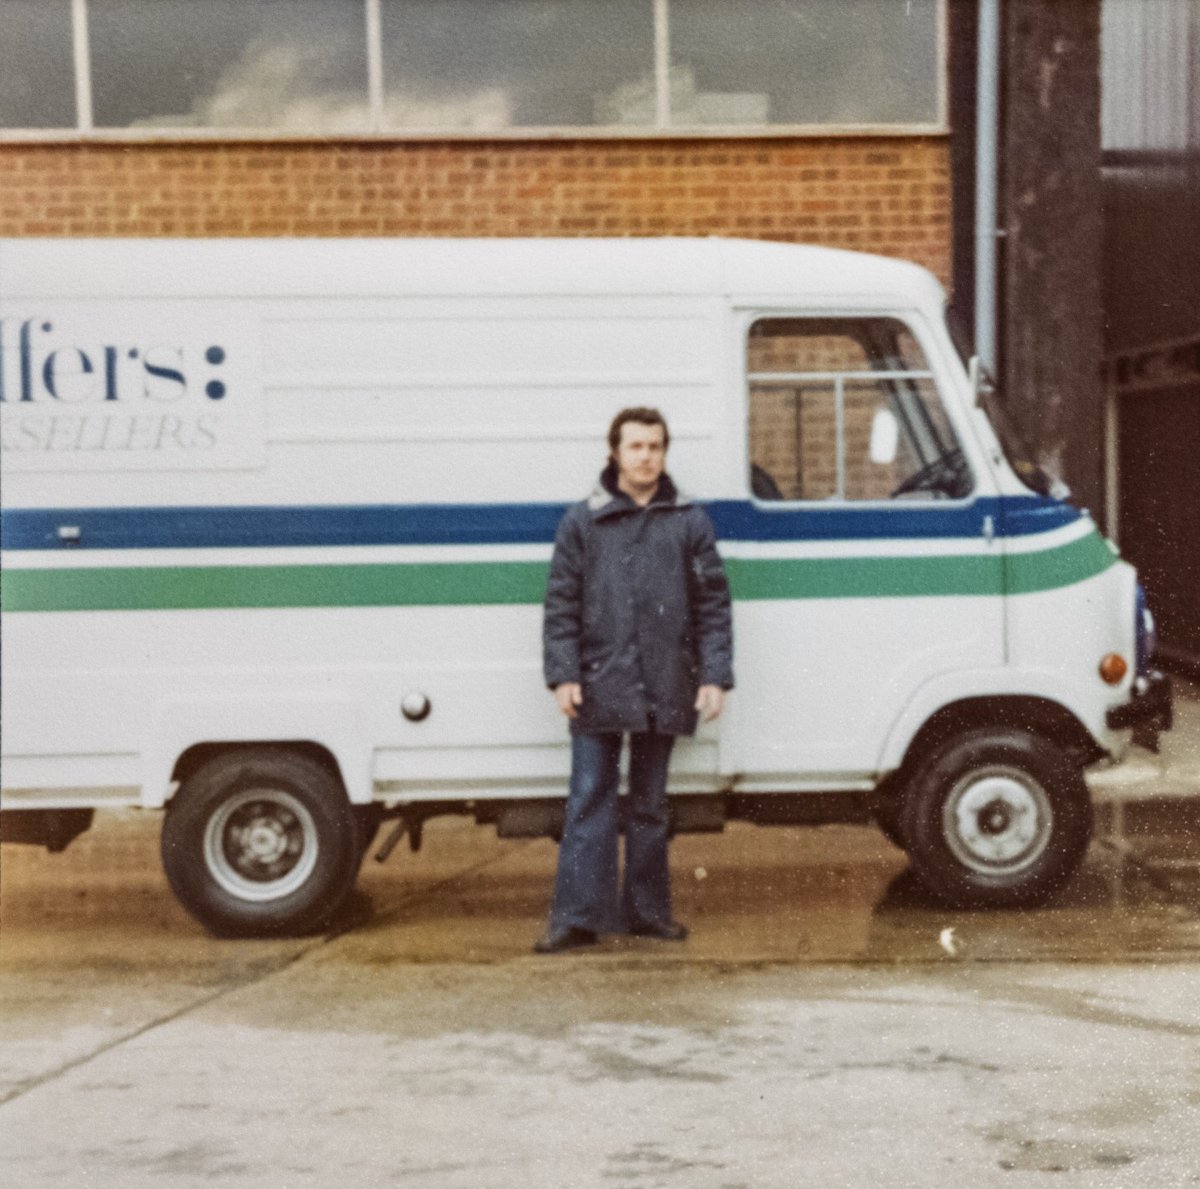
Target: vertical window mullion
(839, 414)
(374, 64)
(662, 64)
(943, 63)
(83, 65)
(798, 394)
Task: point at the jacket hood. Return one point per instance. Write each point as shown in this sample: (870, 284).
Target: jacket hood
(608, 497)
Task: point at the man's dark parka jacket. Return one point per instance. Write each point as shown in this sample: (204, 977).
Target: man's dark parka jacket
(637, 610)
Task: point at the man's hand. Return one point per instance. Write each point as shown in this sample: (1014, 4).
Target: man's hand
(569, 696)
(710, 701)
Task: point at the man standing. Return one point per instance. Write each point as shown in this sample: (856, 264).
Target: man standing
(638, 641)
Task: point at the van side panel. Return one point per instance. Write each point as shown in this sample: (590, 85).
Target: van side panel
(363, 510)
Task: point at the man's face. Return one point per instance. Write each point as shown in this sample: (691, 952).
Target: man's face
(641, 456)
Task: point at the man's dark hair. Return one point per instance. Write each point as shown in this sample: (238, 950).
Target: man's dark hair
(641, 416)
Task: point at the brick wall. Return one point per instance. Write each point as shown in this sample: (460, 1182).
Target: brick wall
(885, 194)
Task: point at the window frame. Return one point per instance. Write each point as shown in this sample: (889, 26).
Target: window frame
(661, 129)
(932, 373)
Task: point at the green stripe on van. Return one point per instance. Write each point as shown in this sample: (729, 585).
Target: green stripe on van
(144, 588)
(1049, 569)
(137, 588)
(900, 577)
(863, 577)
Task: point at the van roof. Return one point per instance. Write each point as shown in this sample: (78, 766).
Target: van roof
(440, 267)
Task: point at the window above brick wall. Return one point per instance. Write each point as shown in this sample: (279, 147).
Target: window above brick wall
(400, 69)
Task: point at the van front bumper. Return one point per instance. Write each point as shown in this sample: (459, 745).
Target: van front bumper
(1149, 711)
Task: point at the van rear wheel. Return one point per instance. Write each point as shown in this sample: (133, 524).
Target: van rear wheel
(997, 819)
(261, 842)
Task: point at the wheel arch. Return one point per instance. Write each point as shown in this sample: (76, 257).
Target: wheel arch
(198, 754)
(1026, 712)
(1051, 702)
(185, 735)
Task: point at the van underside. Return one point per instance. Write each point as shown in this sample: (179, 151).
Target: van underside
(691, 813)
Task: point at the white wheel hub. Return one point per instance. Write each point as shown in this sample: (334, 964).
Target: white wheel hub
(997, 820)
(261, 844)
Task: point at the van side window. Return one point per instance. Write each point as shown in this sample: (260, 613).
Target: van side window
(846, 409)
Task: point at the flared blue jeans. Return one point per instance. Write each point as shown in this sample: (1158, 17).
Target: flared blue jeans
(586, 892)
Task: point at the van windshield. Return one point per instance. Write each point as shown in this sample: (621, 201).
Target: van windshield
(1017, 449)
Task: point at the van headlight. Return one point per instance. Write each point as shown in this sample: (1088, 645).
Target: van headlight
(1145, 632)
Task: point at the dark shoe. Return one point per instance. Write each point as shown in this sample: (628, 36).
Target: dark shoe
(555, 941)
(663, 931)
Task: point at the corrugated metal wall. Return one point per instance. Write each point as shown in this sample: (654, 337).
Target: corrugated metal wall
(1150, 117)
(1150, 65)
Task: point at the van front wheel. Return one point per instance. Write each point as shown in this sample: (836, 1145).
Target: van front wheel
(997, 819)
(261, 842)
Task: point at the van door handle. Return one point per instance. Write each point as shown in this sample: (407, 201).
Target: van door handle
(989, 529)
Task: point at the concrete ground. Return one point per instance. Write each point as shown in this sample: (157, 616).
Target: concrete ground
(820, 1027)
(825, 1024)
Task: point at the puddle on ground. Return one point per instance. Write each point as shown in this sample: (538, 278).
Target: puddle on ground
(829, 894)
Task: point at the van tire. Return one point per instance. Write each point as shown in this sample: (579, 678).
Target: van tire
(996, 818)
(367, 820)
(888, 819)
(260, 842)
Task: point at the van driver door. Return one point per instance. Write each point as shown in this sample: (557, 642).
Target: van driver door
(863, 561)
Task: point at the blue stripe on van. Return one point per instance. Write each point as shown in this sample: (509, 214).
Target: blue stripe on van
(497, 524)
(1012, 516)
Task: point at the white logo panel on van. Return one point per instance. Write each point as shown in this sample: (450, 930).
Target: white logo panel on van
(127, 386)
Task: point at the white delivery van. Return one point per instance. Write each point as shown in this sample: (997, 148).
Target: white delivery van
(277, 517)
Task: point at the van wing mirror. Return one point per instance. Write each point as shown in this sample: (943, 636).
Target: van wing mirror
(885, 437)
(982, 383)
